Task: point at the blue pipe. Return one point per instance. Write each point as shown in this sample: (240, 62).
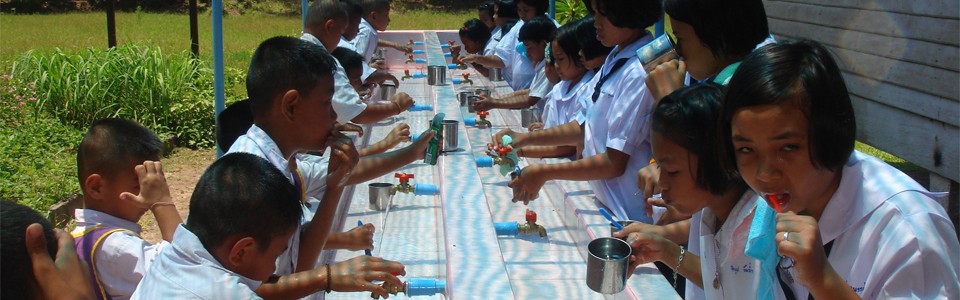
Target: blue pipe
(658, 28)
(506, 228)
(218, 61)
(303, 15)
(553, 9)
(426, 287)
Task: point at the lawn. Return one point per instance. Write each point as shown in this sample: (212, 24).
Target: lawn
(171, 32)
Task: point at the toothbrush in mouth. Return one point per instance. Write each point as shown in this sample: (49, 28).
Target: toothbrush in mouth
(778, 201)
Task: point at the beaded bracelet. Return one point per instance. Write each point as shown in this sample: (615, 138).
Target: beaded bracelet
(677, 268)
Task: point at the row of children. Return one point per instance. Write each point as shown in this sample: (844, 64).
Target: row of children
(760, 121)
(259, 216)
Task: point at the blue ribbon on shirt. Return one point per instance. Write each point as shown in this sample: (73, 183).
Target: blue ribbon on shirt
(761, 245)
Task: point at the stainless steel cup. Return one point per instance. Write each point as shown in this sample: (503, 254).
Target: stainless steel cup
(482, 91)
(450, 142)
(462, 96)
(470, 101)
(607, 265)
(658, 51)
(437, 75)
(625, 223)
(380, 195)
(496, 74)
(387, 91)
(529, 116)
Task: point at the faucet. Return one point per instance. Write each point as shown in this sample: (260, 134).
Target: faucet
(497, 156)
(417, 287)
(409, 59)
(404, 186)
(406, 74)
(482, 121)
(466, 76)
(515, 228)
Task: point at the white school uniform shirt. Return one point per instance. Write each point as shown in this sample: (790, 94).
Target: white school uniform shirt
(186, 270)
(620, 119)
(491, 47)
(891, 240)
(367, 70)
(738, 273)
(346, 101)
(313, 175)
(366, 40)
(517, 70)
(563, 104)
(540, 85)
(123, 257)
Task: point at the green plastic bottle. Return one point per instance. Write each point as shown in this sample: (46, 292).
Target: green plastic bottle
(433, 149)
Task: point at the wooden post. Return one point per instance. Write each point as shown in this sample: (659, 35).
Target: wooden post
(111, 25)
(194, 31)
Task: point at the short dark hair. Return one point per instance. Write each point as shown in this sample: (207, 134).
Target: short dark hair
(538, 29)
(349, 59)
(17, 265)
(566, 39)
(540, 5)
(353, 9)
(374, 5)
(232, 123)
(688, 117)
(800, 72)
(322, 10)
(487, 7)
(587, 38)
(243, 194)
(476, 31)
(506, 9)
(634, 14)
(113, 145)
(730, 29)
(283, 63)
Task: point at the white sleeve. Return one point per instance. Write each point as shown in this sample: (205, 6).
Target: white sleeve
(629, 125)
(313, 168)
(122, 261)
(506, 48)
(540, 85)
(362, 41)
(346, 101)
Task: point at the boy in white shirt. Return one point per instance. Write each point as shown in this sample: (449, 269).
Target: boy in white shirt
(121, 179)
(376, 17)
(242, 212)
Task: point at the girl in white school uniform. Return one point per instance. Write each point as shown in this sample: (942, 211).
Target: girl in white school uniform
(616, 133)
(518, 70)
(535, 35)
(851, 226)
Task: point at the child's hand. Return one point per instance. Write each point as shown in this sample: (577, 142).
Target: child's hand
(527, 186)
(647, 179)
(343, 158)
(649, 247)
(639, 227)
(359, 238)
(798, 237)
(153, 186)
(498, 138)
(403, 48)
(484, 104)
(666, 78)
(419, 147)
(469, 58)
(358, 273)
(403, 101)
(378, 64)
(535, 126)
(65, 278)
(365, 94)
(399, 134)
(350, 127)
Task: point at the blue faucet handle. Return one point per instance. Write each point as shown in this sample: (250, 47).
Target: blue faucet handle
(425, 189)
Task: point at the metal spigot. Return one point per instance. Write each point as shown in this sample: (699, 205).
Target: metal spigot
(404, 186)
(466, 77)
(410, 59)
(406, 74)
(531, 226)
(499, 155)
(482, 121)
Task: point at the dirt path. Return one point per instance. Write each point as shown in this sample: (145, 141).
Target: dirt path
(183, 170)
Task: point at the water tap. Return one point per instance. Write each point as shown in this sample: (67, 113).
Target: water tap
(497, 156)
(466, 77)
(410, 59)
(406, 74)
(416, 189)
(417, 287)
(480, 122)
(515, 228)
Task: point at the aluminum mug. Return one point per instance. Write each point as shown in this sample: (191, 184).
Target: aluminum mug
(656, 52)
(387, 91)
(437, 75)
(470, 101)
(496, 74)
(462, 96)
(607, 265)
(380, 195)
(450, 142)
(529, 116)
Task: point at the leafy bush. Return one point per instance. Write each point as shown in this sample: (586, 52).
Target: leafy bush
(38, 165)
(569, 10)
(170, 94)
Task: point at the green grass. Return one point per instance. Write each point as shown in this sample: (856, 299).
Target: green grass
(894, 161)
(171, 32)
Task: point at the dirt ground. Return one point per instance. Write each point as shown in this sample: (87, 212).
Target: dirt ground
(183, 169)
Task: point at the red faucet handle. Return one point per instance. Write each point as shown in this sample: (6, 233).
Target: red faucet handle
(503, 151)
(411, 41)
(404, 177)
(410, 55)
(531, 216)
(483, 114)
(465, 75)
(452, 42)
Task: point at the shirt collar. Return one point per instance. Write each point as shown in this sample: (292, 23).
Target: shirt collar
(271, 152)
(628, 52)
(97, 217)
(310, 38)
(188, 247)
(364, 23)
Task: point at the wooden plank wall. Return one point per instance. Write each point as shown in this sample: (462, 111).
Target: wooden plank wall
(900, 60)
